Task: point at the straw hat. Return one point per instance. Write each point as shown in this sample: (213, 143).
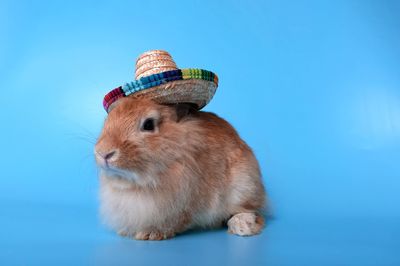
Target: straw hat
(157, 77)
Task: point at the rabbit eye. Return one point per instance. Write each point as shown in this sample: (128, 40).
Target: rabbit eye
(148, 124)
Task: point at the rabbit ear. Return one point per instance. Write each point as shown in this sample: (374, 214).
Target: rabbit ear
(184, 109)
(113, 105)
(117, 102)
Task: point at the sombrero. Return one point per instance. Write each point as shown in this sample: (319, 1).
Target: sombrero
(157, 77)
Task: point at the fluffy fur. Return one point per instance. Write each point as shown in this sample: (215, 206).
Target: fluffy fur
(192, 170)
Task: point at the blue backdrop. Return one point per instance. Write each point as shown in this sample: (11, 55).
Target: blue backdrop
(312, 86)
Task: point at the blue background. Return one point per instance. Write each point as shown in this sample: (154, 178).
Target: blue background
(312, 86)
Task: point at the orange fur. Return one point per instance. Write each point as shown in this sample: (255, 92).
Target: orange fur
(188, 173)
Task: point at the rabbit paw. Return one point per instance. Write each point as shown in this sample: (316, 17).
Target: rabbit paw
(245, 224)
(154, 235)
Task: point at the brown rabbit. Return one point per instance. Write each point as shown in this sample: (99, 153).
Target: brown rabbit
(168, 168)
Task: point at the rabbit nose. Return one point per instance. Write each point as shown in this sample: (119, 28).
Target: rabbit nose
(110, 155)
(107, 157)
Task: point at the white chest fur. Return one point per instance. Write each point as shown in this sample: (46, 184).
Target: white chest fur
(124, 209)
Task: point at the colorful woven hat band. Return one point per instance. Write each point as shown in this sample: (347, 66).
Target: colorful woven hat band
(156, 80)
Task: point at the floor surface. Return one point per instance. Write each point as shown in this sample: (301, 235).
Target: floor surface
(50, 234)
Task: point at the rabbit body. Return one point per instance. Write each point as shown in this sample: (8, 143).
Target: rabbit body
(166, 169)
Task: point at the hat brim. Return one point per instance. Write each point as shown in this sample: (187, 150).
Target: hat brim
(196, 86)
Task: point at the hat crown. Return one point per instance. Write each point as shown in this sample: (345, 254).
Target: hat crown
(154, 62)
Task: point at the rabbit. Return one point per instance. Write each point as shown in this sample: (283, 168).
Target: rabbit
(165, 169)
